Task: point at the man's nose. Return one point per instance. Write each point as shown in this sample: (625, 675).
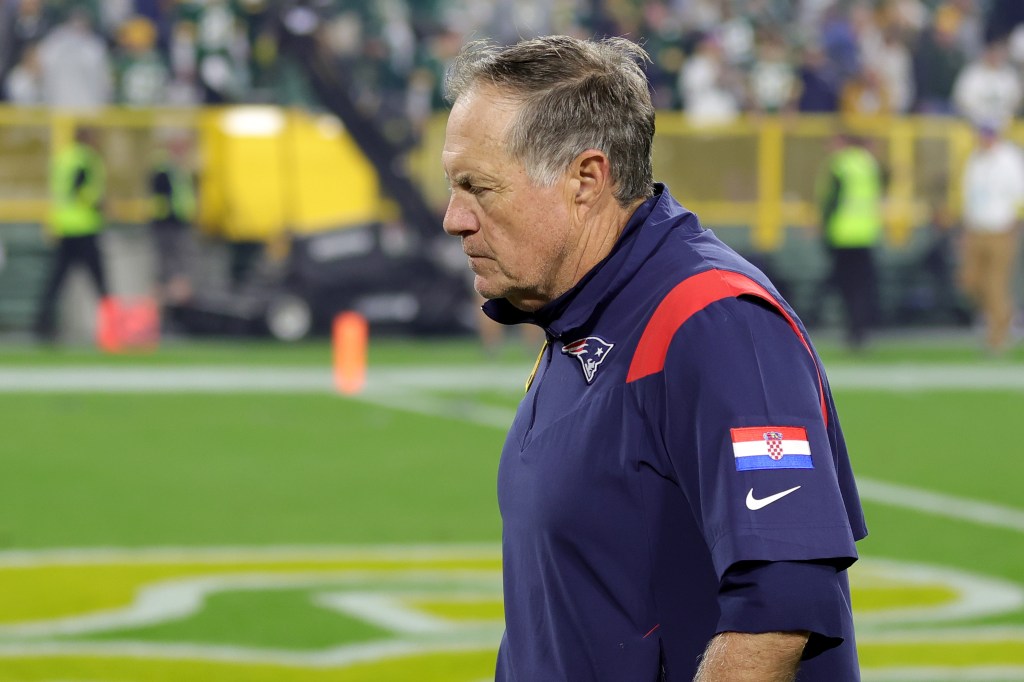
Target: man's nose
(459, 219)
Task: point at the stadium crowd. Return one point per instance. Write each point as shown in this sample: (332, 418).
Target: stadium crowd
(712, 58)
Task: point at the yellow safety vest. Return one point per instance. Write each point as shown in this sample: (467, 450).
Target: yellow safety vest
(76, 211)
(182, 203)
(857, 220)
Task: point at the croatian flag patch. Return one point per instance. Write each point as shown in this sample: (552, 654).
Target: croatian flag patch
(771, 447)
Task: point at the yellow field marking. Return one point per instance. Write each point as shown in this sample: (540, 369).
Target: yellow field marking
(468, 666)
(470, 608)
(442, 604)
(40, 592)
(897, 653)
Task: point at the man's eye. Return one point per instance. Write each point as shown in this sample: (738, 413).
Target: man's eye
(473, 189)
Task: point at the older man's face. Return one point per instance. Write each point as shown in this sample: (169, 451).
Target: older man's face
(517, 235)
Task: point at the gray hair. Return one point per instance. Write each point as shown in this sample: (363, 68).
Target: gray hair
(575, 95)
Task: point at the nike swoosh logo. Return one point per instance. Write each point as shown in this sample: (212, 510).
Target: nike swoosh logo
(753, 504)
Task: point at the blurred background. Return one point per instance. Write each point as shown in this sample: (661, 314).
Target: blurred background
(185, 494)
(312, 131)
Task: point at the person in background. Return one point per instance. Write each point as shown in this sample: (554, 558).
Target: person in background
(77, 189)
(850, 190)
(76, 69)
(864, 94)
(988, 89)
(819, 82)
(992, 188)
(172, 185)
(22, 23)
(655, 525)
(709, 84)
(772, 79)
(937, 61)
(142, 75)
(23, 85)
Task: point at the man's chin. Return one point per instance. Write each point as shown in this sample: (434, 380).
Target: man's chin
(488, 290)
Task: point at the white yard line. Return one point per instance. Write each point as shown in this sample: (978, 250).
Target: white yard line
(941, 504)
(231, 379)
(410, 389)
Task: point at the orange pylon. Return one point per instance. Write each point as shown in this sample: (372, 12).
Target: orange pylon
(350, 336)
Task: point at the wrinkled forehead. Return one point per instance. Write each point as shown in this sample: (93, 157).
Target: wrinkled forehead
(478, 125)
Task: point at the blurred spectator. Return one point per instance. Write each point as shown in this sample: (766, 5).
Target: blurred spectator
(213, 31)
(850, 190)
(664, 31)
(142, 75)
(937, 262)
(24, 83)
(22, 23)
(392, 53)
(865, 95)
(708, 85)
(736, 35)
(988, 89)
(892, 62)
(840, 42)
(772, 77)
(993, 195)
(1002, 17)
(966, 16)
(937, 63)
(76, 71)
(173, 191)
(819, 83)
(77, 188)
(908, 17)
(184, 87)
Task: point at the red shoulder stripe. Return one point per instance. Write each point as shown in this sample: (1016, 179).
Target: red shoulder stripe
(691, 296)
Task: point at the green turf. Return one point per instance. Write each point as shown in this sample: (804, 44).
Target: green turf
(83, 470)
(126, 470)
(962, 443)
(236, 618)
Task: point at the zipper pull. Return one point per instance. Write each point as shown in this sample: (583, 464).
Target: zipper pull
(536, 365)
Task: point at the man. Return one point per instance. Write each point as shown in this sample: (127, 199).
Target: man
(993, 194)
(850, 199)
(172, 187)
(675, 486)
(77, 188)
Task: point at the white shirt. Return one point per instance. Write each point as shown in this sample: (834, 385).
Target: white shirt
(983, 93)
(76, 69)
(993, 188)
(707, 102)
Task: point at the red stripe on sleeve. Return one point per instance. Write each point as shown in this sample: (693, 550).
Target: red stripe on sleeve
(756, 433)
(691, 296)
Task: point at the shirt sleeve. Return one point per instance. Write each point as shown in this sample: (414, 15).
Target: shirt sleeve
(787, 596)
(745, 434)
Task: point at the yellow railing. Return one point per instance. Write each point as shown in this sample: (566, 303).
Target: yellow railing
(265, 170)
(262, 170)
(760, 173)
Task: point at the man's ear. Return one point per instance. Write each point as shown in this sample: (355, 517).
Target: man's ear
(592, 171)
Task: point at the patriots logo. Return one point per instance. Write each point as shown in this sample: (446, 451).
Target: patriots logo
(591, 352)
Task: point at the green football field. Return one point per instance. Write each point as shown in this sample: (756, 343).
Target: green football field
(216, 512)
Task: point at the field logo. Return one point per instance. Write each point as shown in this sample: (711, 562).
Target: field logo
(425, 613)
(591, 352)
